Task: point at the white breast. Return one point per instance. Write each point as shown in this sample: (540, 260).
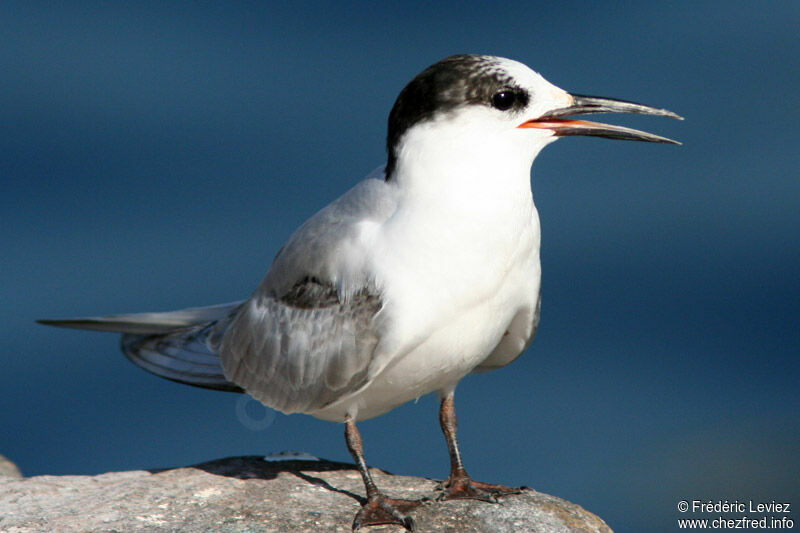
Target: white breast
(457, 262)
(453, 280)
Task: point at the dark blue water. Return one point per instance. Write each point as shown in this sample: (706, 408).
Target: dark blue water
(153, 158)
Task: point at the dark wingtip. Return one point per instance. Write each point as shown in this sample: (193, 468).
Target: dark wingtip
(66, 323)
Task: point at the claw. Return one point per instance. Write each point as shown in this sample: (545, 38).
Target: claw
(382, 510)
(464, 488)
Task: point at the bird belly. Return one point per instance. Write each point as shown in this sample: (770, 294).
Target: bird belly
(445, 356)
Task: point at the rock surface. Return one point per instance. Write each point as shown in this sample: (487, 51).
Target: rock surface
(250, 494)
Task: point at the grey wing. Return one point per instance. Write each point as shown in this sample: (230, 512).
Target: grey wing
(176, 345)
(147, 323)
(304, 349)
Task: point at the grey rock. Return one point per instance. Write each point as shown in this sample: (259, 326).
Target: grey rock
(250, 494)
(7, 468)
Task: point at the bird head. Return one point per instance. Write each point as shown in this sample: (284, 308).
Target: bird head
(472, 104)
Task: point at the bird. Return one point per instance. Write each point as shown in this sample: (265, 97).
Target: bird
(424, 272)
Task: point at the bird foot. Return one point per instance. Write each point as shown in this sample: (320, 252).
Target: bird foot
(465, 488)
(382, 510)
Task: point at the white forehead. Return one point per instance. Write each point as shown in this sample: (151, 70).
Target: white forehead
(544, 94)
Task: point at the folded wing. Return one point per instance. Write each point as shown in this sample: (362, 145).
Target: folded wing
(176, 345)
(303, 350)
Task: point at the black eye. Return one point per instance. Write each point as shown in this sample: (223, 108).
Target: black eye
(504, 100)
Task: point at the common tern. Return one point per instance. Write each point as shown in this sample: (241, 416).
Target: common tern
(422, 273)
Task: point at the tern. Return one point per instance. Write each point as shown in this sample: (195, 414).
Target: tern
(424, 272)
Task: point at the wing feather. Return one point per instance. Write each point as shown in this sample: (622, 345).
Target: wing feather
(176, 345)
(304, 350)
(146, 323)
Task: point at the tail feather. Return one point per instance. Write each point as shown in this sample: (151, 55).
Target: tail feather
(177, 345)
(186, 356)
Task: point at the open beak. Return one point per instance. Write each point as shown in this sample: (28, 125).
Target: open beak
(583, 105)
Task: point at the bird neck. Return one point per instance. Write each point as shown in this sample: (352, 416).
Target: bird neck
(447, 167)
